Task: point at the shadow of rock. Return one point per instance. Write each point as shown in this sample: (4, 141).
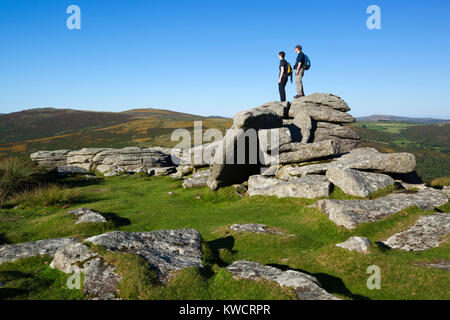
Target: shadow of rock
(3, 239)
(118, 221)
(226, 243)
(331, 284)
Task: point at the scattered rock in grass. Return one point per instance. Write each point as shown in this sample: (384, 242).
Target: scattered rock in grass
(182, 171)
(427, 233)
(360, 244)
(198, 197)
(253, 228)
(100, 279)
(170, 193)
(442, 264)
(160, 172)
(306, 287)
(111, 173)
(86, 215)
(13, 252)
(358, 183)
(198, 179)
(351, 213)
(310, 187)
(164, 250)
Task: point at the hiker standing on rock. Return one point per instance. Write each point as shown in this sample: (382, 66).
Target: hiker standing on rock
(285, 71)
(299, 71)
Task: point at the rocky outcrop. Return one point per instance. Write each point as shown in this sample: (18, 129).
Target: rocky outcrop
(351, 213)
(325, 100)
(51, 159)
(427, 233)
(107, 160)
(310, 187)
(358, 183)
(360, 244)
(13, 252)
(305, 286)
(253, 228)
(100, 278)
(164, 250)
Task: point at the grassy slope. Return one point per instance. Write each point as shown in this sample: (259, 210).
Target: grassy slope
(143, 204)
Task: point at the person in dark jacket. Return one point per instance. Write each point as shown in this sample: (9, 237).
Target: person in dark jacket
(299, 68)
(283, 76)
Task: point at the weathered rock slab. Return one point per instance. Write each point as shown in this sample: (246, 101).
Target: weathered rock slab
(86, 215)
(164, 250)
(257, 118)
(306, 287)
(310, 187)
(358, 183)
(323, 99)
(351, 213)
(427, 233)
(13, 252)
(253, 228)
(360, 244)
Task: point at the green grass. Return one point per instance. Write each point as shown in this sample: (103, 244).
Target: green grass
(143, 204)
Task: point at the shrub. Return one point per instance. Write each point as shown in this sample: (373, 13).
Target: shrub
(45, 196)
(17, 175)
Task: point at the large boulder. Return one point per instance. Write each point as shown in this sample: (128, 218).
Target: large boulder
(362, 159)
(301, 152)
(236, 159)
(257, 118)
(351, 213)
(427, 233)
(305, 286)
(280, 108)
(310, 187)
(164, 250)
(358, 183)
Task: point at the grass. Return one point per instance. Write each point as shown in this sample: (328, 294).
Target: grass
(441, 182)
(52, 195)
(143, 204)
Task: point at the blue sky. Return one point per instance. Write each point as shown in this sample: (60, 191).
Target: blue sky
(218, 57)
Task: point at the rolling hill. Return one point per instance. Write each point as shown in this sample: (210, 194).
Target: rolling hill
(51, 129)
(388, 118)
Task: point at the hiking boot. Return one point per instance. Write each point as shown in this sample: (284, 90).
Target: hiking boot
(297, 96)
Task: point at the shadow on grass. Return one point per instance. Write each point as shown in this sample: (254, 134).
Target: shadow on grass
(74, 182)
(218, 245)
(118, 221)
(7, 276)
(331, 284)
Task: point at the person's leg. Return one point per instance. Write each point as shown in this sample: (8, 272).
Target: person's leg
(299, 83)
(282, 89)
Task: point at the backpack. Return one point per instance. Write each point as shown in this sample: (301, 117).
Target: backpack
(289, 70)
(307, 62)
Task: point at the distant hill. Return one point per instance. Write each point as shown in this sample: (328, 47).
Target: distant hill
(388, 118)
(28, 131)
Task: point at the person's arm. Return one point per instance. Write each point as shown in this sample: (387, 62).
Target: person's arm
(299, 65)
(281, 74)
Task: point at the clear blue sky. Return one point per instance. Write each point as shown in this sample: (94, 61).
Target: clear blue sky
(217, 57)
